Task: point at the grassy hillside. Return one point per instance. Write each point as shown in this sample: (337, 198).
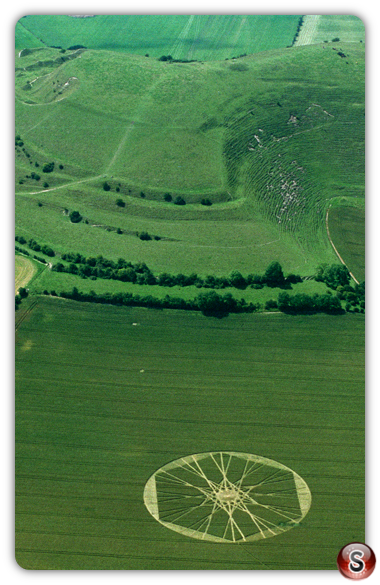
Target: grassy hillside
(269, 150)
(347, 231)
(105, 396)
(198, 37)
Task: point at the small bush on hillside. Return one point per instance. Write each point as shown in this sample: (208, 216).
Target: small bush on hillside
(75, 217)
(144, 236)
(106, 186)
(179, 201)
(336, 40)
(48, 167)
(120, 203)
(168, 197)
(206, 202)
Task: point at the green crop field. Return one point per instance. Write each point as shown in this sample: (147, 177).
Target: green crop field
(106, 396)
(182, 36)
(213, 164)
(324, 28)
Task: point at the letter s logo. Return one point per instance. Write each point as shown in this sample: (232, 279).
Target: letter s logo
(356, 565)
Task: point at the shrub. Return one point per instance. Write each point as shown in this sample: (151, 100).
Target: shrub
(22, 292)
(120, 203)
(144, 236)
(179, 201)
(48, 167)
(106, 186)
(47, 251)
(168, 197)
(271, 304)
(206, 202)
(75, 217)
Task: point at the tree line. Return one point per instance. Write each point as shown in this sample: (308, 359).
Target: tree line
(140, 273)
(335, 276)
(211, 303)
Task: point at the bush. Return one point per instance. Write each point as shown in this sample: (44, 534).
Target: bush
(168, 197)
(206, 202)
(47, 251)
(271, 304)
(23, 292)
(48, 167)
(75, 217)
(106, 186)
(120, 203)
(144, 236)
(179, 201)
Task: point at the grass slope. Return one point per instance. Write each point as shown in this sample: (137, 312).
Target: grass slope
(91, 427)
(347, 230)
(269, 148)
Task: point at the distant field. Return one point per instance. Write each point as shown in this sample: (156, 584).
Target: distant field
(198, 37)
(24, 271)
(326, 27)
(105, 396)
(347, 230)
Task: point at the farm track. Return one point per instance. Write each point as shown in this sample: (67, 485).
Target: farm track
(65, 186)
(25, 314)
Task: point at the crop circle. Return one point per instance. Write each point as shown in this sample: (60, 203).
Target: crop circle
(227, 497)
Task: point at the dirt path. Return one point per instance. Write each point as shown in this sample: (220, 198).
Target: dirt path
(60, 186)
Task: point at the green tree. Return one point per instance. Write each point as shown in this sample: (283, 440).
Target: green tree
(274, 275)
(237, 280)
(283, 301)
(333, 275)
(211, 303)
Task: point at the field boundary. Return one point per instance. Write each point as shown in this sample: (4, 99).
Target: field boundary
(334, 247)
